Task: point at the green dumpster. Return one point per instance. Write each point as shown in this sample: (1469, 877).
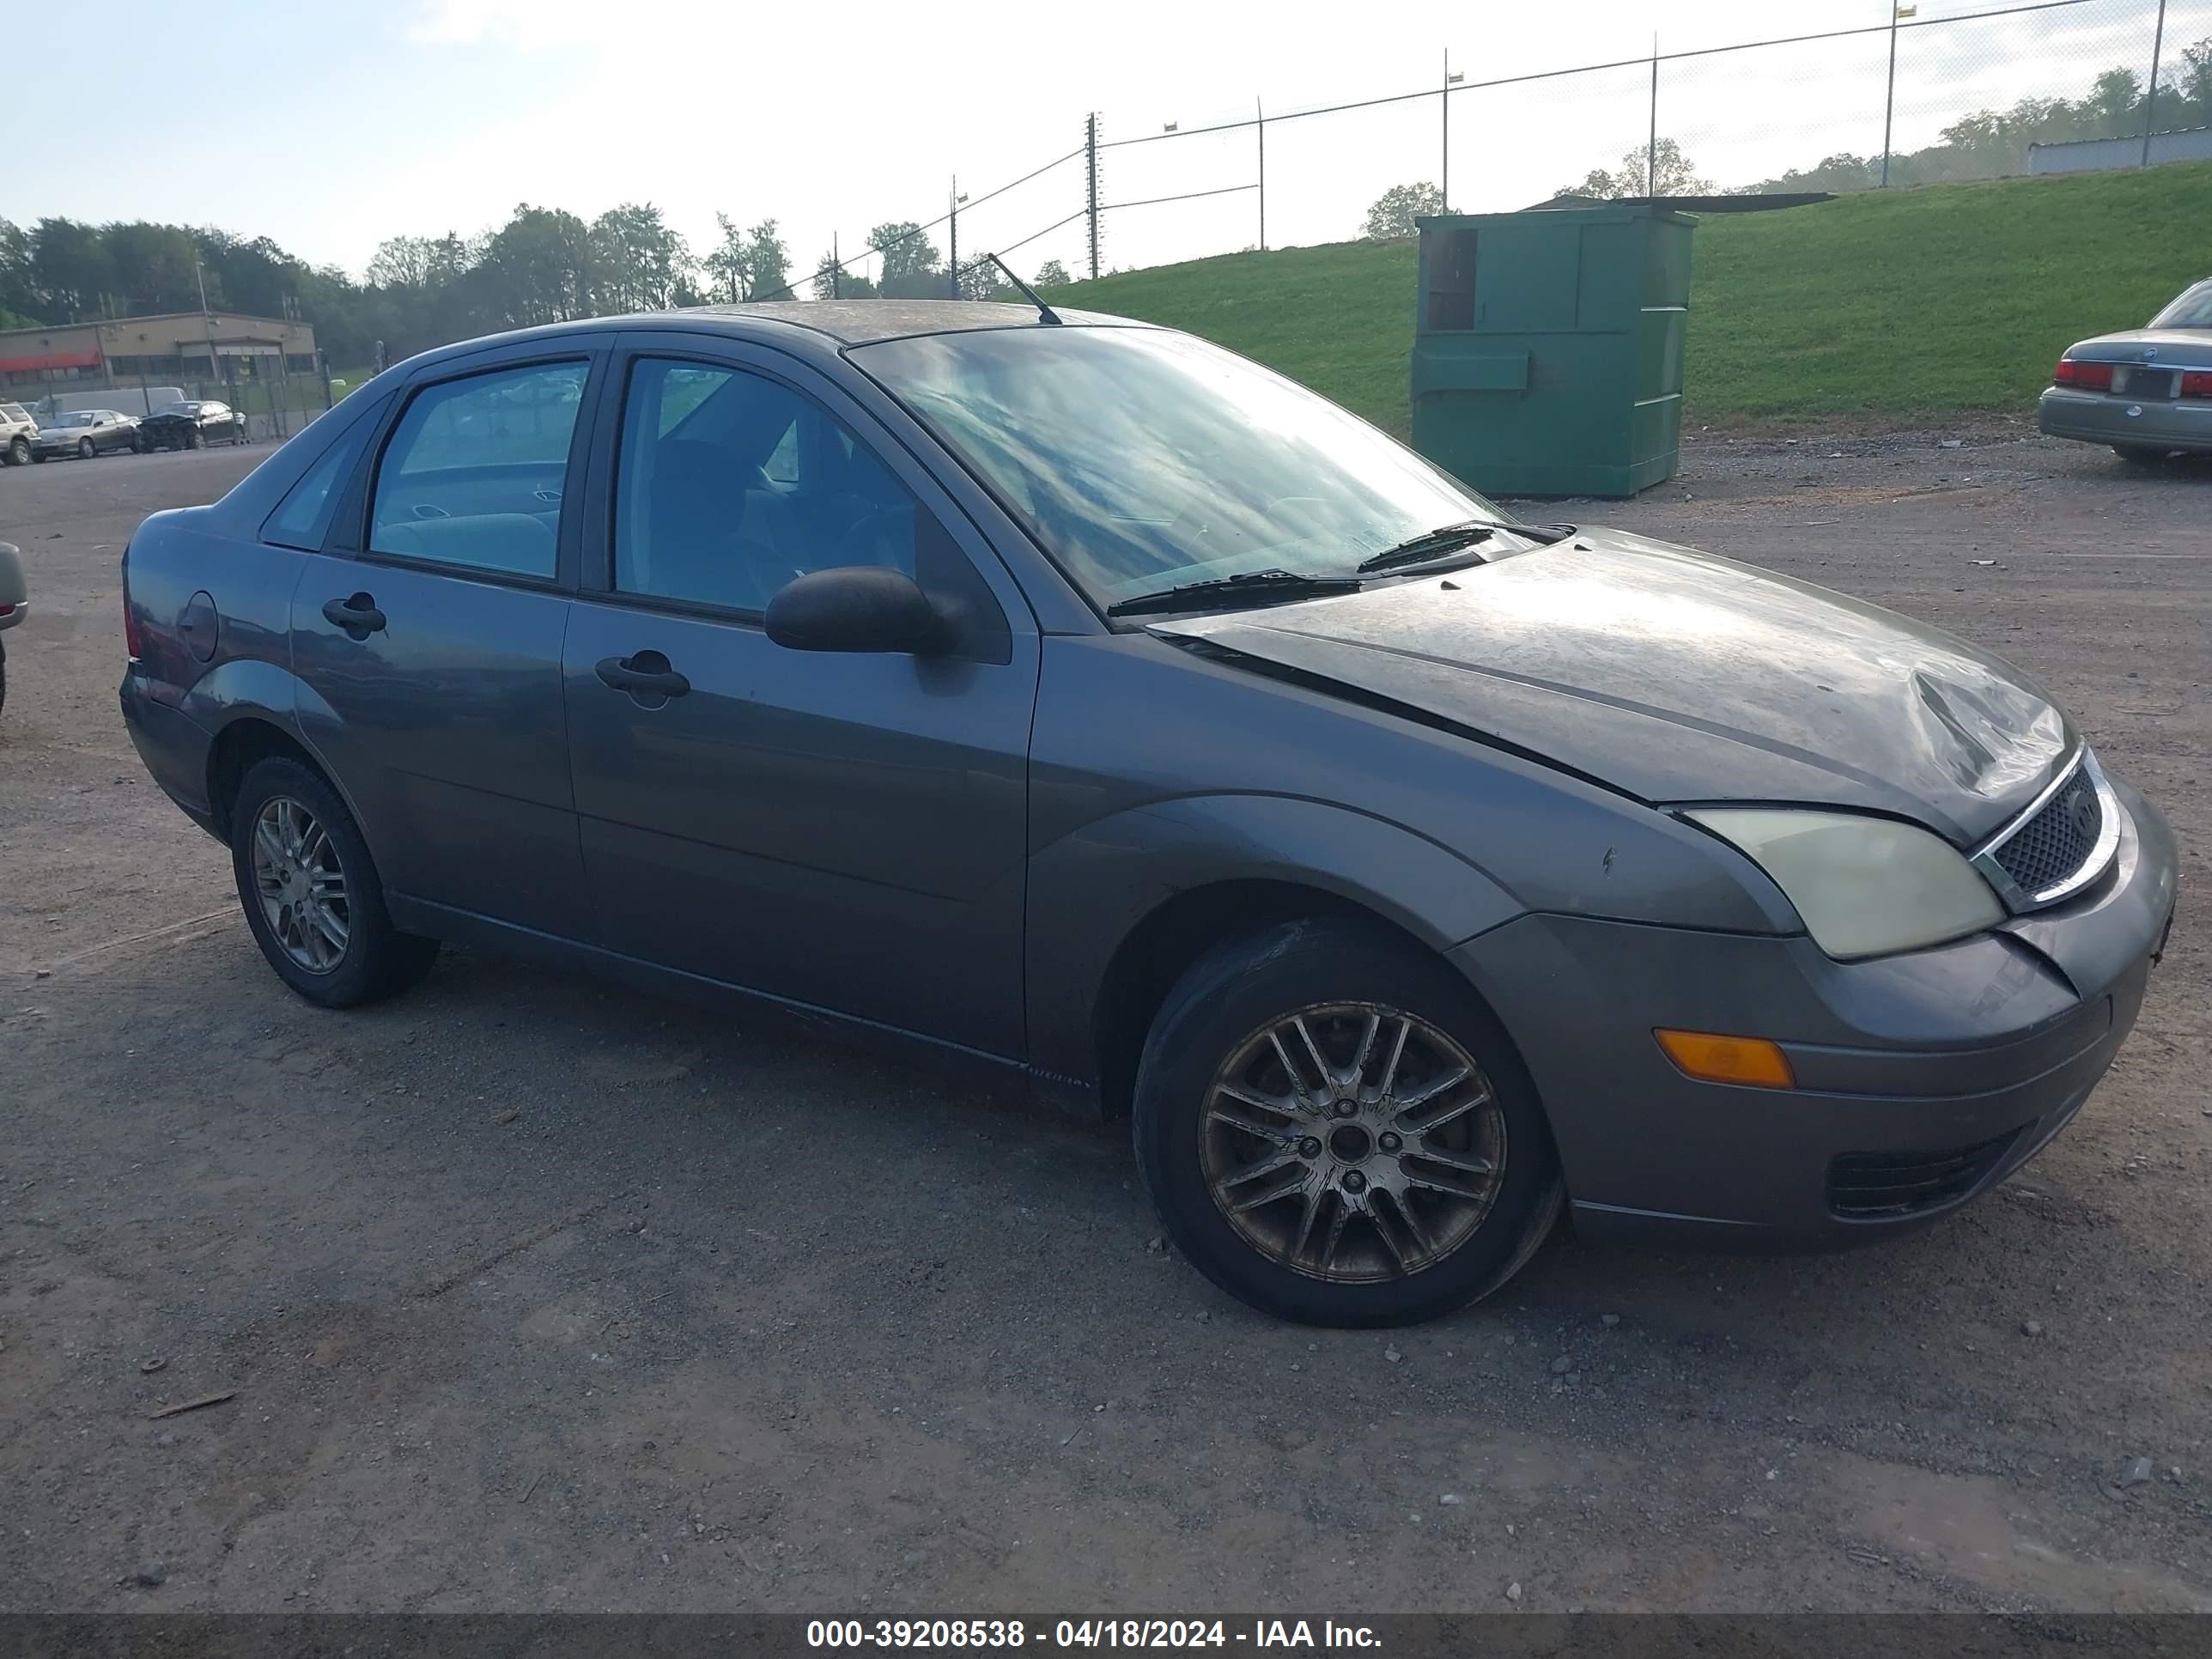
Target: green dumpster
(1548, 352)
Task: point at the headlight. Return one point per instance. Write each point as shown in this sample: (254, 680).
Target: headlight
(1865, 887)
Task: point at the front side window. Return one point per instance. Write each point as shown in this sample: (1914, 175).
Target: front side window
(731, 484)
(1142, 460)
(2193, 310)
(475, 471)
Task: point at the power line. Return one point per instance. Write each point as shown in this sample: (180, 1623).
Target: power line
(1640, 62)
(920, 230)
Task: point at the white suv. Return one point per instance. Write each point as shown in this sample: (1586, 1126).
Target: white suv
(17, 432)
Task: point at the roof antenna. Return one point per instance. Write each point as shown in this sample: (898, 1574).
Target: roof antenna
(1045, 312)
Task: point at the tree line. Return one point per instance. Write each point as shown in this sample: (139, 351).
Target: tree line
(543, 266)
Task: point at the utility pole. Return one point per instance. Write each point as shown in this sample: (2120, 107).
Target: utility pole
(1443, 102)
(1889, 91)
(1260, 110)
(952, 260)
(2150, 102)
(1090, 177)
(836, 270)
(1651, 148)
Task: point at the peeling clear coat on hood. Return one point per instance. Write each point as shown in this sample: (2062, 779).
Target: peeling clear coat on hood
(1677, 676)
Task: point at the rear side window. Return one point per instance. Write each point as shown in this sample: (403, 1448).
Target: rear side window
(302, 519)
(475, 469)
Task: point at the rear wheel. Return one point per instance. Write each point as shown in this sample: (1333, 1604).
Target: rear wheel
(1336, 1130)
(311, 893)
(19, 453)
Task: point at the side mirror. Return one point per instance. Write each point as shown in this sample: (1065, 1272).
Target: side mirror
(859, 607)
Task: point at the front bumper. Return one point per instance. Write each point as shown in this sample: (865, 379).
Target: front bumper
(2098, 417)
(1922, 1079)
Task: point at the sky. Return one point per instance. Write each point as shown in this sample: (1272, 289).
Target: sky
(342, 123)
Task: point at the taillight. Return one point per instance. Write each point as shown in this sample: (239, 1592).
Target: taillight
(134, 643)
(2196, 383)
(2090, 377)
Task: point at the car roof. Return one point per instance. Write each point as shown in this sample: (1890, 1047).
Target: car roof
(838, 323)
(856, 322)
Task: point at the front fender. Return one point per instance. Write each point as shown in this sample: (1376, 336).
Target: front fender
(1089, 889)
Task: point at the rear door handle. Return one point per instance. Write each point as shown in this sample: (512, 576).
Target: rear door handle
(646, 674)
(358, 615)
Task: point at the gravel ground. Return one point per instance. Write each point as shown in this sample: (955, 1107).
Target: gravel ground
(527, 1293)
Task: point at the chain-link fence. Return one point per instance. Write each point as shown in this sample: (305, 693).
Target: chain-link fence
(1937, 92)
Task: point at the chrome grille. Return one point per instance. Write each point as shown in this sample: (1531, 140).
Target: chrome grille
(2064, 840)
(2057, 842)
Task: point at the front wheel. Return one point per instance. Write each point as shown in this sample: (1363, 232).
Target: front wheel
(194, 441)
(311, 892)
(86, 449)
(1336, 1130)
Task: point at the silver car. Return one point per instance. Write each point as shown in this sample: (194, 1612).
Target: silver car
(2146, 391)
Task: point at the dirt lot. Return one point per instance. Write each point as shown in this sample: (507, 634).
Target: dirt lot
(534, 1294)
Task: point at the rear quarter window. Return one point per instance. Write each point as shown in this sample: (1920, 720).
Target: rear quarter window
(302, 519)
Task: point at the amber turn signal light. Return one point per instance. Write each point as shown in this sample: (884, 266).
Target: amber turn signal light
(1712, 1057)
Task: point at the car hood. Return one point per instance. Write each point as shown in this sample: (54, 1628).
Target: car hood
(1676, 676)
(2185, 346)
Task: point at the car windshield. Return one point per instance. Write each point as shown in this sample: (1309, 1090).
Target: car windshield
(2193, 310)
(81, 417)
(1143, 460)
(177, 409)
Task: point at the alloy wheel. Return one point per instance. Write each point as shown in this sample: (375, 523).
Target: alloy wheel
(1353, 1142)
(302, 884)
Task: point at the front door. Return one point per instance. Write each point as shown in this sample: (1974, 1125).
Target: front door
(841, 831)
(430, 654)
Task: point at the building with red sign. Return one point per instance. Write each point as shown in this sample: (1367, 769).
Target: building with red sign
(204, 348)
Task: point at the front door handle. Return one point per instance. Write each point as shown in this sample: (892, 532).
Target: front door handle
(645, 675)
(358, 615)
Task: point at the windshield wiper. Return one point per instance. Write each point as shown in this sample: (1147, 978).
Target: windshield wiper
(1451, 537)
(1227, 591)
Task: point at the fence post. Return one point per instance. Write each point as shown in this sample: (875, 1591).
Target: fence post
(1651, 147)
(1889, 94)
(2150, 101)
(1091, 184)
(1261, 109)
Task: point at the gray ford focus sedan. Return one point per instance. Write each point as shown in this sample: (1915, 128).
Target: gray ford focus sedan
(1075, 701)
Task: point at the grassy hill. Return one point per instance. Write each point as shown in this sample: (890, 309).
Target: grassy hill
(1926, 302)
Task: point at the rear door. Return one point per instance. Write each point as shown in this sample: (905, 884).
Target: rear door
(843, 831)
(426, 634)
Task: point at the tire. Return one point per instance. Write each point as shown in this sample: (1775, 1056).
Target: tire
(19, 453)
(2140, 455)
(86, 449)
(194, 441)
(375, 960)
(137, 444)
(1326, 1152)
